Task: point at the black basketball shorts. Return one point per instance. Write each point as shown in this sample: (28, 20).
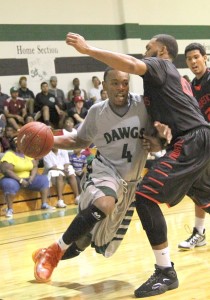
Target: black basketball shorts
(183, 170)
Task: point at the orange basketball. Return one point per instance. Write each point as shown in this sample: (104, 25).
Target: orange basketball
(35, 139)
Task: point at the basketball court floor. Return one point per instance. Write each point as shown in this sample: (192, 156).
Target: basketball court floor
(90, 276)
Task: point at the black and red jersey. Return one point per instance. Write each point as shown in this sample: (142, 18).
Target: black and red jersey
(168, 97)
(201, 91)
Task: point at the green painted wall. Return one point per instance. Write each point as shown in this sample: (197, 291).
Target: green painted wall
(29, 32)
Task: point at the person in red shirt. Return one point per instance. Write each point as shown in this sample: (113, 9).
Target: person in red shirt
(14, 109)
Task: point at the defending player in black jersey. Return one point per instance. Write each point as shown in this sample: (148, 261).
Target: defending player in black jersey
(185, 167)
(196, 59)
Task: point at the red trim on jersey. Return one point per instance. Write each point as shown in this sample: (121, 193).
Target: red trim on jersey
(186, 87)
(197, 87)
(166, 164)
(157, 181)
(150, 189)
(148, 197)
(160, 172)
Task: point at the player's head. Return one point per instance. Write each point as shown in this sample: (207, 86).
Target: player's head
(195, 46)
(196, 57)
(163, 46)
(116, 83)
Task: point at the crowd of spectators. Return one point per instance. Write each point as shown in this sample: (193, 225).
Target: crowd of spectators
(51, 105)
(63, 114)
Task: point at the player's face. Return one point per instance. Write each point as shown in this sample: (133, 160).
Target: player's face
(153, 48)
(196, 62)
(117, 87)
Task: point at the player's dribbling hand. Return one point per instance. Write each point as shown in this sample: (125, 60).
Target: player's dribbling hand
(77, 41)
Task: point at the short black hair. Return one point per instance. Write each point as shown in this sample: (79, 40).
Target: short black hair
(170, 42)
(43, 83)
(107, 70)
(195, 46)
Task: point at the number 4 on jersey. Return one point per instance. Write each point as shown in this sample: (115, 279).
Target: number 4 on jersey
(126, 153)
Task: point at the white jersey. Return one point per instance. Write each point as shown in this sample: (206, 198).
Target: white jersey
(118, 139)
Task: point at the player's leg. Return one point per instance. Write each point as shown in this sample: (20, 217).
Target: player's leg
(165, 183)
(47, 259)
(153, 222)
(200, 194)
(198, 237)
(77, 247)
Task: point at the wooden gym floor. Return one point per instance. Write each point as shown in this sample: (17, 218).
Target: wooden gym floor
(91, 276)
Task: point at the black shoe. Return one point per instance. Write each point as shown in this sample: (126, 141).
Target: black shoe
(160, 282)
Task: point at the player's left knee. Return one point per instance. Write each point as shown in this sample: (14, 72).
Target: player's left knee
(106, 204)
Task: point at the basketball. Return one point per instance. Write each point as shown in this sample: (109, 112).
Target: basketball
(35, 139)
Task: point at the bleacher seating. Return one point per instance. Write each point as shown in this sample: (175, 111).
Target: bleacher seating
(26, 200)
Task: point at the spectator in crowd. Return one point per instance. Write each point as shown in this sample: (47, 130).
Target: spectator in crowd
(76, 85)
(28, 119)
(94, 93)
(3, 98)
(60, 171)
(79, 163)
(76, 92)
(26, 94)
(68, 127)
(19, 171)
(104, 96)
(47, 105)
(15, 109)
(78, 112)
(6, 138)
(58, 93)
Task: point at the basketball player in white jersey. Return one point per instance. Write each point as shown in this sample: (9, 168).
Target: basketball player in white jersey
(116, 127)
